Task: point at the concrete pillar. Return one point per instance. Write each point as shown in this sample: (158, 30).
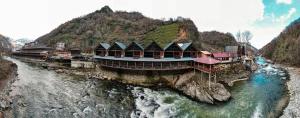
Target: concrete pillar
(209, 81)
(201, 76)
(215, 77)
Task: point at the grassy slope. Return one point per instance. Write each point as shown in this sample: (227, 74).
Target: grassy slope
(163, 34)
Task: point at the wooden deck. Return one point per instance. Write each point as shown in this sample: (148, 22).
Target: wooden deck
(155, 66)
(129, 65)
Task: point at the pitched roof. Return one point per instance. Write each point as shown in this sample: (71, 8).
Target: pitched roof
(134, 43)
(153, 44)
(184, 46)
(121, 45)
(105, 45)
(221, 54)
(145, 59)
(170, 44)
(207, 60)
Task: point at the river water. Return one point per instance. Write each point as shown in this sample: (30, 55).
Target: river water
(42, 93)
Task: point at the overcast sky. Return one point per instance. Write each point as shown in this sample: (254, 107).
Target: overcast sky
(264, 18)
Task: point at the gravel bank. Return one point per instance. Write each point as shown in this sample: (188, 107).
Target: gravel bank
(293, 108)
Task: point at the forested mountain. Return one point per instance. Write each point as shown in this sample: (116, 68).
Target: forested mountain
(286, 47)
(106, 25)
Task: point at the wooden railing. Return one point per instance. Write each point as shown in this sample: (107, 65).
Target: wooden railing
(146, 65)
(130, 65)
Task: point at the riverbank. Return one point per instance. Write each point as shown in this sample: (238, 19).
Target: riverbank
(293, 108)
(8, 73)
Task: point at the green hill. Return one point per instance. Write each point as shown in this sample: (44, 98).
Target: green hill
(106, 25)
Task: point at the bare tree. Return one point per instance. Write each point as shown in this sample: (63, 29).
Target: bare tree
(247, 36)
(238, 36)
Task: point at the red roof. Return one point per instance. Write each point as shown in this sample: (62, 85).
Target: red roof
(221, 54)
(206, 60)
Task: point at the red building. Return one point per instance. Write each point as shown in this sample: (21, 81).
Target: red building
(222, 56)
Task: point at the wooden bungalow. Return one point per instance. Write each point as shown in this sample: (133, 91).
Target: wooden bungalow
(134, 50)
(117, 50)
(39, 52)
(153, 51)
(189, 50)
(102, 49)
(173, 50)
(75, 51)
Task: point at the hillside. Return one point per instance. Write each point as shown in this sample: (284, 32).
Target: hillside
(285, 48)
(105, 25)
(5, 44)
(216, 41)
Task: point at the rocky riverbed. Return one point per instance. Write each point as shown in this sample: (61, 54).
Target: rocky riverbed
(8, 73)
(293, 108)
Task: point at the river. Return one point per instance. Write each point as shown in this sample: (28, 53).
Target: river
(42, 93)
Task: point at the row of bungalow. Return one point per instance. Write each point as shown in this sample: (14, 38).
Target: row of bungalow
(172, 50)
(134, 50)
(174, 56)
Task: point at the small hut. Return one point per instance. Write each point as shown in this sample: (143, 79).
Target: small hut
(173, 50)
(102, 49)
(117, 50)
(134, 50)
(154, 51)
(189, 50)
(75, 51)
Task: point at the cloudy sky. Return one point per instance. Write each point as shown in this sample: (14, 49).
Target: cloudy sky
(264, 18)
